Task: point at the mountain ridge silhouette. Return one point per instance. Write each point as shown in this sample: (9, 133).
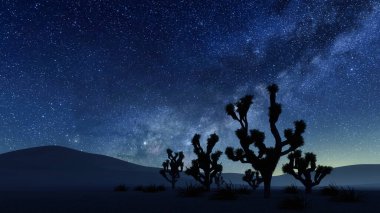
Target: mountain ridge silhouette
(58, 167)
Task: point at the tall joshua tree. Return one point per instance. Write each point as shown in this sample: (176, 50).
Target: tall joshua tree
(266, 158)
(205, 168)
(172, 167)
(301, 168)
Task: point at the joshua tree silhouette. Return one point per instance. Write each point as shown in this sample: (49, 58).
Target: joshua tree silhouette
(172, 167)
(206, 161)
(219, 180)
(266, 160)
(305, 166)
(253, 178)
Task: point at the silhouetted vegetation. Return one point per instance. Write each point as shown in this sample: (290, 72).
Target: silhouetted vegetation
(266, 159)
(192, 190)
(120, 188)
(253, 178)
(205, 168)
(150, 188)
(292, 189)
(172, 167)
(227, 192)
(294, 203)
(330, 190)
(341, 194)
(219, 181)
(347, 195)
(230, 192)
(302, 168)
(242, 190)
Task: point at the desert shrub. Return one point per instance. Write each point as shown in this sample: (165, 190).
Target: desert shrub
(230, 192)
(150, 188)
(294, 203)
(191, 190)
(292, 189)
(120, 188)
(330, 190)
(347, 195)
(341, 194)
(227, 192)
(242, 190)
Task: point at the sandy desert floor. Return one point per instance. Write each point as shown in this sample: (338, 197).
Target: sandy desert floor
(168, 201)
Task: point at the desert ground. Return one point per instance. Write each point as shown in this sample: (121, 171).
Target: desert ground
(170, 201)
(57, 179)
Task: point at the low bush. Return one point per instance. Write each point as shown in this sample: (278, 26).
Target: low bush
(120, 188)
(242, 190)
(150, 188)
(191, 190)
(347, 195)
(228, 192)
(292, 189)
(330, 190)
(341, 194)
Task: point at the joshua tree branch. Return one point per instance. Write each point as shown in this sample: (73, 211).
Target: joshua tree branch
(297, 176)
(165, 176)
(289, 150)
(276, 134)
(284, 143)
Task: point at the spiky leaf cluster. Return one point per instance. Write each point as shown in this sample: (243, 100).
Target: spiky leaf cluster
(173, 166)
(206, 167)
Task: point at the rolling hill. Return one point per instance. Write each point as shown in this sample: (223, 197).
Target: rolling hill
(51, 167)
(55, 167)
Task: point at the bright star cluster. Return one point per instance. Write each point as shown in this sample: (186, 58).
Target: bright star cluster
(130, 79)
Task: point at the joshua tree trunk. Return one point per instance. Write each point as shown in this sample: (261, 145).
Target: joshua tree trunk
(173, 184)
(267, 179)
(308, 185)
(308, 188)
(207, 180)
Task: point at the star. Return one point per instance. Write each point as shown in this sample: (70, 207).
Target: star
(131, 79)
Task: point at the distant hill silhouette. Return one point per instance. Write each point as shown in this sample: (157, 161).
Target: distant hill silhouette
(61, 167)
(55, 167)
(61, 158)
(363, 175)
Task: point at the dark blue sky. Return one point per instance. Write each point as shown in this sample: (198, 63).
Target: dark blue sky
(131, 78)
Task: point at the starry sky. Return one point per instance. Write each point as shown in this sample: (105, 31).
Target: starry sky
(131, 78)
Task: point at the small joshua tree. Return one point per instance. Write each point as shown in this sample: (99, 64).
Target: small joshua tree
(265, 160)
(206, 161)
(172, 167)
(219, 180)
(301, 168)
(253, 178)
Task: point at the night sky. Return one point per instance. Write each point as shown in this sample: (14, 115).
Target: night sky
(129, 79)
